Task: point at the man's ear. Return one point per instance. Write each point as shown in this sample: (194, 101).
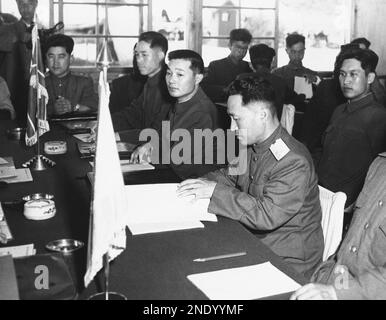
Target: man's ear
(230, 45)
(161, 55)
(370, 77)
(198, 78)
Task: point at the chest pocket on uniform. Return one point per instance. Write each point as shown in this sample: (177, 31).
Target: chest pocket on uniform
(378, 246)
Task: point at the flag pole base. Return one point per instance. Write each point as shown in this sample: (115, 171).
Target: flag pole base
(39, 163)
(107, 296)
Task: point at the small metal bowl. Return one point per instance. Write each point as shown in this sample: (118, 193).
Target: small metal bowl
(65, 245)
(16, 133)
(38, 196)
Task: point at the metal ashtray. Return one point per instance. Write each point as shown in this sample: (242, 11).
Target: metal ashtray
(16, 133)
(38, 196)
(65, 245)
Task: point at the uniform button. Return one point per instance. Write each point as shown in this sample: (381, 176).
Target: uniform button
(340, 269)
(251, 177)
(366, 226)
(255, 159)
(380, 203)
(353, 249)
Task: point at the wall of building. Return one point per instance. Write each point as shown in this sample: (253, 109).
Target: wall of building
(369, 21)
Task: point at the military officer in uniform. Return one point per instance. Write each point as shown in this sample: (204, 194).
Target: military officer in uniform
(277, 197)
(357, 270)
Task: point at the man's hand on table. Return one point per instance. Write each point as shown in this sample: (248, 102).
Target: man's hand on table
(142, 154)
(199, 188)
(315, 291)
(62, 106)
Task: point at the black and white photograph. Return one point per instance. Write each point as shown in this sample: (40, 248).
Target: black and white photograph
(188, 157)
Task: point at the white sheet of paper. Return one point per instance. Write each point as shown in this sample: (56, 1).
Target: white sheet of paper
(84, 137)
(18, 251)
(156, 208)
(303, 87)
(22, 175)
(131, 167)
(144, 228)
(7, 172)
(245, 283)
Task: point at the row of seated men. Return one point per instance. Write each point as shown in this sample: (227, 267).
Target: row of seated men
(273, 188)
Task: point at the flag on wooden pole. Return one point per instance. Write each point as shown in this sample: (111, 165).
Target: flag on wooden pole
(107, 234)
(37, 123)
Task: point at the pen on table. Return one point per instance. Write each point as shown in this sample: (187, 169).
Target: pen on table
(223, 256)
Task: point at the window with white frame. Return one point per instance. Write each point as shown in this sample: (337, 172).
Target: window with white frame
(219, 17)
(201, 25)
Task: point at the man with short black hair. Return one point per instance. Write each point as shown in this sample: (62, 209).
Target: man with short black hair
(357, 129)
(261, 59)
(277, 196)
(153, 104)
(68, 93)
(295, 48)
(222, 72)
(193, 110)
(363, 43)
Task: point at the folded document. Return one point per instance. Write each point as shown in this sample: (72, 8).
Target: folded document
(245, 283)
(157, 208)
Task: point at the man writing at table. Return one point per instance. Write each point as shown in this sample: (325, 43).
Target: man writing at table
(68, 93)
(277, 198)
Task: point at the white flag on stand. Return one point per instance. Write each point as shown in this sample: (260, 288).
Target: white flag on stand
(107, 234)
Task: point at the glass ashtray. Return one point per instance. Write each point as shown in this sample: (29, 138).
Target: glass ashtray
(38, 196)
(64, 245)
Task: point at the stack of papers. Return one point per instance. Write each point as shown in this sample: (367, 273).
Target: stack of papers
(18, 251)
(7, 168)
(156, 208)
(131, 167)
(302, 86)
(10, 174)
(5, 233)
(245, 283)
(87, 148)
(126, 166)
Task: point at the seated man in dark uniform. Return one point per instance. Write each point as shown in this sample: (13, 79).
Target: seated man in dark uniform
(192, 111)
(153, 104)
(357, 130)
(126, 88)
(275, 195)
(261, 59)
(222, 72)
(68, 93)
(295, 48)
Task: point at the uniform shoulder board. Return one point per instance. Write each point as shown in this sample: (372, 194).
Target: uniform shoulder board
(383, 154)
(279, 149)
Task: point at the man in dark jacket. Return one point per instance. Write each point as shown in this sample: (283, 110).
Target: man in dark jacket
(67, 92)
(357, 129)
(153, 105)
(192, 113)
(222, 72)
